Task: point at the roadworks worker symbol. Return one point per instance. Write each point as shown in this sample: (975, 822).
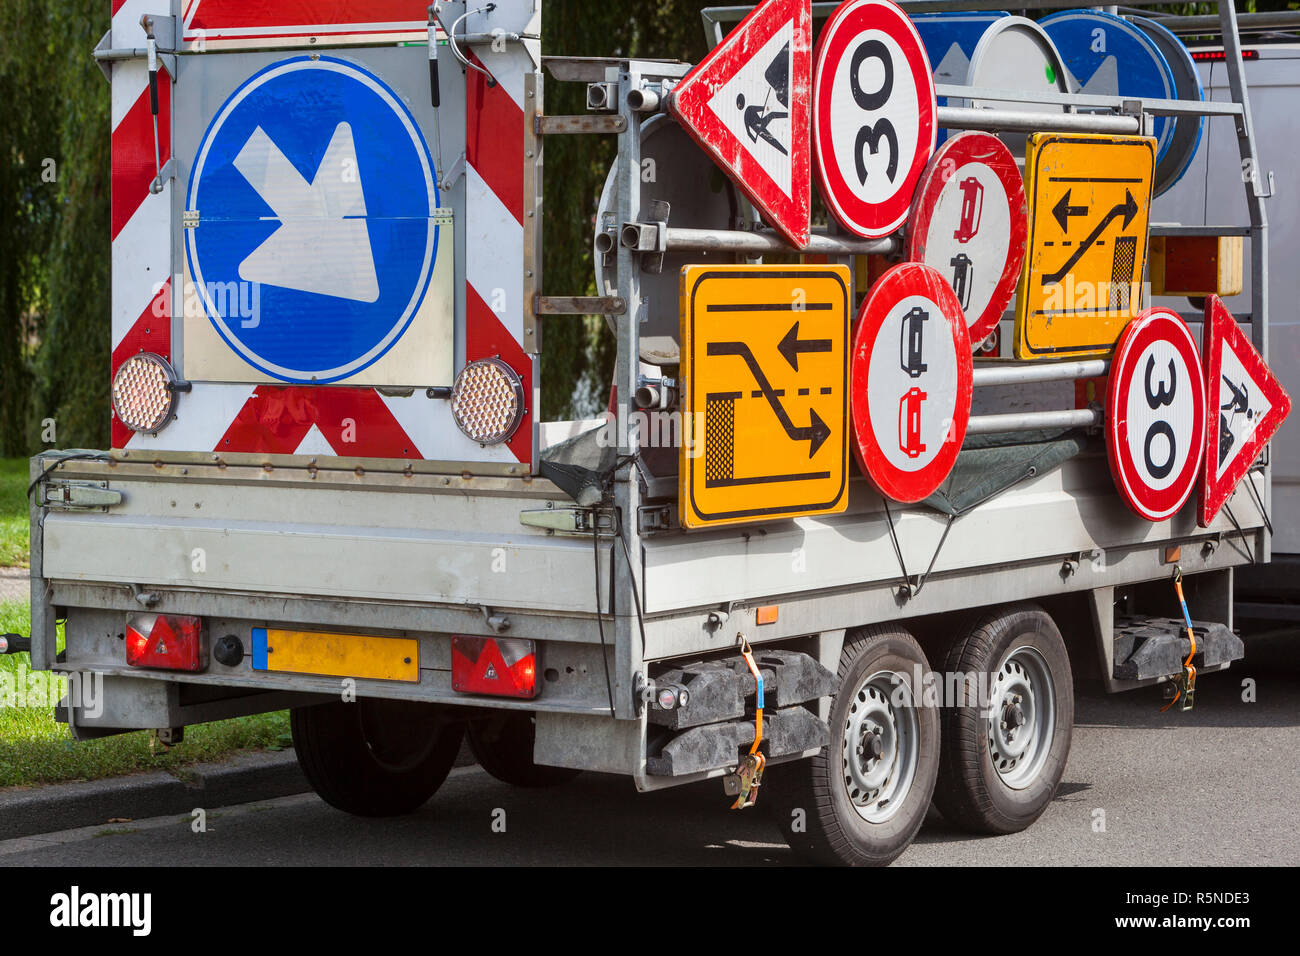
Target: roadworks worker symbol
(1089, 203)
(764, 394)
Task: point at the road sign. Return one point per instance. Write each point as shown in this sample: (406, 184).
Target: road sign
(1187, 86)
(765, 393)
(747, 104)
(911, 382)
(1247, 406)
(312, 220)
(950, 40)
(873, 115)
(968, 222)
(1089, 201)
(1155, 414)
(1015, 54)
(1109, 56)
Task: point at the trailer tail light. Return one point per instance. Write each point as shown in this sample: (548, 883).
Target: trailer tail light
(144, 393)
(487, 401)
(165, 641)
(502, 667)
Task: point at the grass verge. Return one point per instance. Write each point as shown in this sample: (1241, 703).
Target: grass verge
(36, 749)
(13, 512)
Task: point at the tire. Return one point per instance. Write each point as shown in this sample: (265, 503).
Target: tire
(821, 804)
(504, 748)
(997, 775)
(375, 758)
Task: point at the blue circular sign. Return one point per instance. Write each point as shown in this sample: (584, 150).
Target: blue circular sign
(1109, 56)
(313, 191)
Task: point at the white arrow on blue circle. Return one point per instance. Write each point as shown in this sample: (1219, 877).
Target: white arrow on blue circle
(322, 245)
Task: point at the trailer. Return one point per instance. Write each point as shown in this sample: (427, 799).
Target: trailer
(329, 489)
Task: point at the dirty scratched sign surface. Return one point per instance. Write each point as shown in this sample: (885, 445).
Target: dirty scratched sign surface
(1089, 204)
(748, 105)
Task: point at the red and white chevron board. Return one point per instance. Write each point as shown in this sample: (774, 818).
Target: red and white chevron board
(232, 24)
(337, 420)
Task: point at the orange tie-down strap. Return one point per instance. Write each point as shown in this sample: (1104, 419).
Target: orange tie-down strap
(1189, 672)
(748, 653)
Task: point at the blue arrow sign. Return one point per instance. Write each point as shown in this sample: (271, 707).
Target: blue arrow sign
(1107, 55)
(313, 189)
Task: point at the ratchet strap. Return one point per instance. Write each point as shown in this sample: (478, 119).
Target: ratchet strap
(748, 776)
(1185, 684)
(748, 654)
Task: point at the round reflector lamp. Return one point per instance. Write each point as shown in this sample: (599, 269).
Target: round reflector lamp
(487, 401)
(144, 396)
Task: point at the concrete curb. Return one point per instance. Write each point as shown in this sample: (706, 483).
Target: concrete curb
(63, 806)
(243, 778)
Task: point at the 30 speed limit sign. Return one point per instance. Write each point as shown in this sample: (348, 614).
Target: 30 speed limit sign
(873, 115)
(1155, 414)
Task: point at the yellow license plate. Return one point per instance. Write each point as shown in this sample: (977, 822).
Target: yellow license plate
(362, 656)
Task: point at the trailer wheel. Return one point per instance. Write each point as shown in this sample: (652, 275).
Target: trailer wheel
(504, 748)
(862, 799)
(1001, 763)
(375, 758)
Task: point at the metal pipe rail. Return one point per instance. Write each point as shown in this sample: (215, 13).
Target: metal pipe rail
(1280, 20)
(765, 242)
(1034, 421)
(1129, 104)
(1000, 373)
(995, 121)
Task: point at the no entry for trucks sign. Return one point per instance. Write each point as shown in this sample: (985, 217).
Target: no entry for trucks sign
(747, 105)
(1089, 200)
(1155, 414)
(1247, 406)
(968, 222)
(874, 115)
(911, 382)
(765, 392)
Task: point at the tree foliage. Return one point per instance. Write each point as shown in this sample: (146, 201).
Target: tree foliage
(54, 244)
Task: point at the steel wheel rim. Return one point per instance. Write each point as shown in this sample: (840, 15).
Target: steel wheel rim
(881, 746)
(1021, 717)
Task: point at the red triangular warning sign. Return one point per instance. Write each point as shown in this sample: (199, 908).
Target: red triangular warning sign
(748, 104)
(1246, 406)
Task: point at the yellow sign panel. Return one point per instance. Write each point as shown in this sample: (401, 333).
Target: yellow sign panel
(764, 393)
(1089, 204)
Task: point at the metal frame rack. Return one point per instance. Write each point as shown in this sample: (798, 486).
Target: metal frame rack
(640, 90)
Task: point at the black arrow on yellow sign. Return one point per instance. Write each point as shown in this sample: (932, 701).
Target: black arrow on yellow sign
(815, 432)
(1063, 211)
(1128, 209)
(792, 345)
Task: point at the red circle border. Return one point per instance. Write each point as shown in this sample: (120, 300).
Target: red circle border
(905, 279)
(867, 220)
(1154, 324)
(988, 150)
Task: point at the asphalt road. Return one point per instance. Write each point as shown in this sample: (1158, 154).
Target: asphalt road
(1213, 786)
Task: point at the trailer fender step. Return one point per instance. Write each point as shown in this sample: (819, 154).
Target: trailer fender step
(717, 690)
(717, 746)
(1153, 647)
